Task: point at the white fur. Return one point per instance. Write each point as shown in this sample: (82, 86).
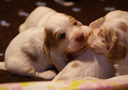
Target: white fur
(89, 64)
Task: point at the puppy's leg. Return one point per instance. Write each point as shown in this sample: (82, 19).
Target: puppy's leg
(25, 68)
(59, 63)
(50, 74)
(16, 66)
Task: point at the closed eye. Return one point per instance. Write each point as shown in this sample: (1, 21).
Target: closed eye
(103, 41)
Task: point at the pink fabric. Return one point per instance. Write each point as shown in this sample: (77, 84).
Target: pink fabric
(67, 85)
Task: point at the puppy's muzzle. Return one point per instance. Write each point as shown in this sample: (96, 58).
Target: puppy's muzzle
(80, 38)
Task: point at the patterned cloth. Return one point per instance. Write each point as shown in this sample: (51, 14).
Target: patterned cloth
(67, 85)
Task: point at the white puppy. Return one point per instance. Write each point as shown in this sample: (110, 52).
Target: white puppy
(64, 3)
(87, 64)
(35, 50)
(110, 37)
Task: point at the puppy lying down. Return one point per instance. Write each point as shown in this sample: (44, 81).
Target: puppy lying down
(111, 38)
(43, 43)
(87, 64)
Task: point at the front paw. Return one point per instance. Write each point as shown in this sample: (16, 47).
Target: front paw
(48, 75)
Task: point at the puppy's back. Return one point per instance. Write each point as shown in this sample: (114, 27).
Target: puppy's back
(88, 64)
(117, 14)
(37, 18)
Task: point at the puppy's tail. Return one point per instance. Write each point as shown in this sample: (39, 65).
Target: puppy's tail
(2, 66)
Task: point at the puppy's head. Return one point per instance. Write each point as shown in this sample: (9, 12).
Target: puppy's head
(64, 33)
(110, 40)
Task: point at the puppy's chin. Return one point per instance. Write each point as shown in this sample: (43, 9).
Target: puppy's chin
(72, 56)
(75, 48)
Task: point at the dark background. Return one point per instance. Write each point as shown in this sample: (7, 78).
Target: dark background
(14, 12)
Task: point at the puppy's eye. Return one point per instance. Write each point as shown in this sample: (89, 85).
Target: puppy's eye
(75, 23)
(61, 35)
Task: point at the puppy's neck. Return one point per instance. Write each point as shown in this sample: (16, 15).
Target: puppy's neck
(71, 56)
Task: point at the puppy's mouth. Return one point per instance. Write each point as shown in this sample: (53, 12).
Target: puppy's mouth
(82, 46)
(83, 42)
(72, 56)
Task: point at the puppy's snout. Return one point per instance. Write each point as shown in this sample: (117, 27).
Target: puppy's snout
(80, 38)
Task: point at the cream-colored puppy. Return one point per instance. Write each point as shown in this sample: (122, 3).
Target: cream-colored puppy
(87, 64)
(38, 48)
(110, 37)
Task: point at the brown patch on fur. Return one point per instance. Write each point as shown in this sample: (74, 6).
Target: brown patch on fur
(107, 36)
(74, 65)
(117, 52)
(29, 55)
(116, 49)
(50, 41)
(72, 20)
(122, 26)
(51, 38)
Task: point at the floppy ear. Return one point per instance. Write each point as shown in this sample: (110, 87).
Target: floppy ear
(46, 50)
(117, 51)
(97, 23)
(47, 45)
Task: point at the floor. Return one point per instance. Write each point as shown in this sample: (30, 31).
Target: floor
(14, 12)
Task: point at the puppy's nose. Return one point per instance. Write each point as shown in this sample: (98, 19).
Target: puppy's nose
(80, 38)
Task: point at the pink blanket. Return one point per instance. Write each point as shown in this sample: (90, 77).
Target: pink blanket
(67, 85)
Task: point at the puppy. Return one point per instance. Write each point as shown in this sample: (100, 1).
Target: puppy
(110, 37)
(39, 48)
(64, 3)
(87, 64)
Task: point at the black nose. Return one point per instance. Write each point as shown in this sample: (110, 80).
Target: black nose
(80, 38)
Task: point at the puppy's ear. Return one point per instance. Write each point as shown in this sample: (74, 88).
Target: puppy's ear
(97, 23)
(117, 50)
(47, 45)
(50, 41)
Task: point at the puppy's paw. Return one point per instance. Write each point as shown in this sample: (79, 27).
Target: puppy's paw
(49, 75)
